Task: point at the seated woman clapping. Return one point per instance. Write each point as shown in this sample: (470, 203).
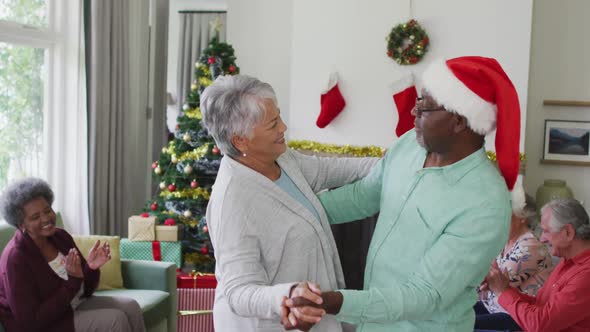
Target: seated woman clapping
(46, 283)
(528, 264)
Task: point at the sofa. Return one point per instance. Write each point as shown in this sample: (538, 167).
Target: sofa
(151, 284)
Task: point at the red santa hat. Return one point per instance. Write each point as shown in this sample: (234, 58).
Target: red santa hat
(479, 89)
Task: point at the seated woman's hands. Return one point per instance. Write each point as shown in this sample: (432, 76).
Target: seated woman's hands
(74, 264)
(303, 309)
(98, 255)
(496, 280)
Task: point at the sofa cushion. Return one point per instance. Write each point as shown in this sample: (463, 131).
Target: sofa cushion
(110, 273)
(153, 303)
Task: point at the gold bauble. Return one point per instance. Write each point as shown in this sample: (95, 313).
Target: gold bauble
(174, 159)
(158, 170)
(186, 138)
(162, 185)
(188, 169)
(188, 213)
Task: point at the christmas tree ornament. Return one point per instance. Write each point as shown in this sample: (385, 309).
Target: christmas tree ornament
(215, 150)
(186, 107)
(232, 68)
(194, 86)
(331, 102)
(145, 215)
(194, 184)
(186, 138)
(158, 170)
(205, 229)
(404, 97)
(211, 60)
(164, 150)
(174, 158)
(188, 213)
(154, 165)
(172, 187)
(478, 89)
(204, 250)
(188, 169)
(154, 206)
(162, 185)
(169, 222)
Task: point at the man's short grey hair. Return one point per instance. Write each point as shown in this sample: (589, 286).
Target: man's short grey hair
(568, 211)
(528, 212)
(17, 194)
(234, 105)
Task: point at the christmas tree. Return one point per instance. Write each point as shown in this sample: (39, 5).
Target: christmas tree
(187, 167)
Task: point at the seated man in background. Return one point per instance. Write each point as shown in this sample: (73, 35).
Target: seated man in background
(563, 303)
(527, 262)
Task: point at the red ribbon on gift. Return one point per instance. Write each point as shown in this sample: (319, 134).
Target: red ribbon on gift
(156, 252)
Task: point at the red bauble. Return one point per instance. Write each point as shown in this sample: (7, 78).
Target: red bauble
(204, 250)
(145, 215)
(205, 229)
(169, 222)
(154, 164)
(215, 150)
(154, 206)
(232, 68)
(194, 184)
(211, 60)
(171, 187)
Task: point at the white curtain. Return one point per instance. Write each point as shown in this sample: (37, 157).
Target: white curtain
(195, 33)
(65, 131)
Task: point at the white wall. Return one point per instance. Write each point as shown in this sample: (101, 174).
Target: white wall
(349, 35)
(260, 32)
(560, 69)
(173, 33)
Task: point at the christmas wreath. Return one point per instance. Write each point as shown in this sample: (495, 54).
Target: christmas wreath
(407, 43)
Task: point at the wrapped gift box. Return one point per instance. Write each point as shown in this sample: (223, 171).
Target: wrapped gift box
(169, 233)
(152, 251)
(195, 309)
(196, 280)
(142, 228)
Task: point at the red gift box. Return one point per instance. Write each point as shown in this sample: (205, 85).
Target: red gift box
(196, 280)
(195, 309)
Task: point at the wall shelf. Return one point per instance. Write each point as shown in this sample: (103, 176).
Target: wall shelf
(565, 162)
(573, 103)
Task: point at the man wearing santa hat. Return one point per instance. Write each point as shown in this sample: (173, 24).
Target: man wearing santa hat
(444, 207)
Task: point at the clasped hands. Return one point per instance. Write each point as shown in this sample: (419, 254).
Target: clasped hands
(306, 306)
(496, 280)
(97, 257)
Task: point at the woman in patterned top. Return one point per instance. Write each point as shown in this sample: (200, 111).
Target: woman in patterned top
(528, 264)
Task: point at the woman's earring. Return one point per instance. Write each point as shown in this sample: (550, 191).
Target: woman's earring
(244, 154)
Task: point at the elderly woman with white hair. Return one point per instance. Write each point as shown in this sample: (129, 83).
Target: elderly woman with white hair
(46, 284)
(563, 301)
(525, 260)
(269, 231)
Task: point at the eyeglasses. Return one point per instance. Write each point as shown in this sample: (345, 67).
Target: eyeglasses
(420, 110)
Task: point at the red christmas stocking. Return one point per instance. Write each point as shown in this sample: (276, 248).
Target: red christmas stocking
(332, 102)
(404, 96)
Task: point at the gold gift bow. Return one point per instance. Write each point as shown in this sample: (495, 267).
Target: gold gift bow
(194, 312)
(196, 274)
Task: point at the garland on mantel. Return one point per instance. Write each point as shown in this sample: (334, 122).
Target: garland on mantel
(357, 151)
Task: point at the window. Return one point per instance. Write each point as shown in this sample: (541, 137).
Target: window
(25, 47)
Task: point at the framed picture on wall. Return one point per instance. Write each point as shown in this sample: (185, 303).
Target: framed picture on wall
(567, 142)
